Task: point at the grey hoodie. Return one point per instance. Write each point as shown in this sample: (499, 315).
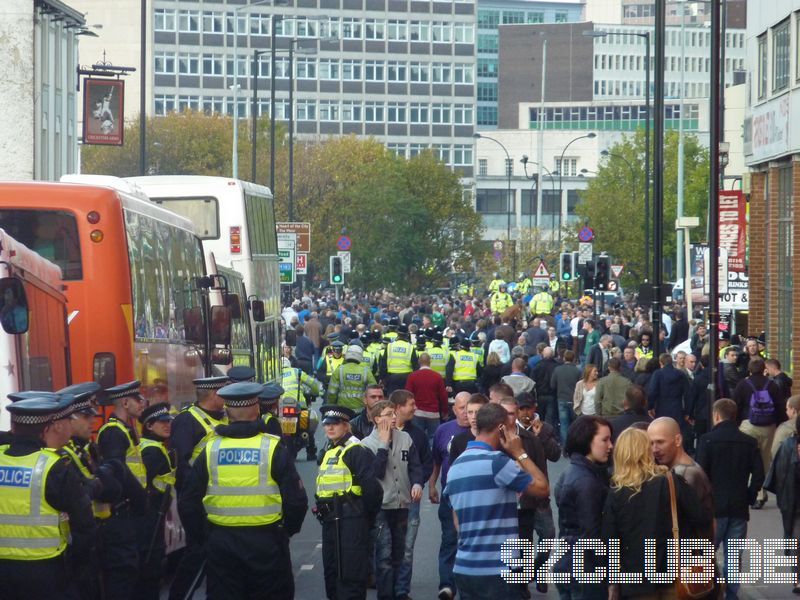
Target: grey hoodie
(397, 466)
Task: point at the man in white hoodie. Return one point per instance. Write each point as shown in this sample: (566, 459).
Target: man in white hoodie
(399, 471)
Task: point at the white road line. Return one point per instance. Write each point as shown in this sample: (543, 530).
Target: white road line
(306, 567)
(319, 546)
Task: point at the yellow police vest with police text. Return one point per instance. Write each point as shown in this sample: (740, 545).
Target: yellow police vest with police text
(241, 491)
(208, 423)
(133, 454)
(101, 510)
(334, 477)
(439, 357)
(542, 303)
(160, 482)
(398, 357)
(30, 529)
(466, 366)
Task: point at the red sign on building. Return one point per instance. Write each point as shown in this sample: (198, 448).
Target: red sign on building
(733, 228)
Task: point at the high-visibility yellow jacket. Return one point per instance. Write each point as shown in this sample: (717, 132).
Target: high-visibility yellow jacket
(334, 477)
(133, 454)
(542, 304)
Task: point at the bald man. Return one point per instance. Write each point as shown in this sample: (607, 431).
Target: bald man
(666, 442)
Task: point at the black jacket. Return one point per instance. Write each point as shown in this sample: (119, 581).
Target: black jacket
(697, 398)
(542, 374)
(632, 518)
(743, 391)
(731, 459)
(678, 334)
(782, 481)
(621, 422)
(666, 392)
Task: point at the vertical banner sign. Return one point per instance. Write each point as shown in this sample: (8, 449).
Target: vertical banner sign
(103, 116)
(733, 228)
(698, 272)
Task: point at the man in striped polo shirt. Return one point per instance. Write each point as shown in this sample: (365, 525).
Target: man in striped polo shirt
(482, 487)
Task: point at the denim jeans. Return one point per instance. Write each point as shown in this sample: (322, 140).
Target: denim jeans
(403, 586)
(448, 545)
(565, 418)
(473, 587)
(539, 520)
(427, 425)
(729, 529)
(390, 544)
(549, 408)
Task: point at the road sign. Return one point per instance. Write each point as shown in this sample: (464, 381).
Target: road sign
(345, 256)
(612, 286)
(286, 262)
(302, 233)
(541, 276)
(616, 271)
(344, 243)
(498, 245)
(301, 263)
(585, 252)
(586, 234)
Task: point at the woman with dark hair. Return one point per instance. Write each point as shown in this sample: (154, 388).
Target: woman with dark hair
(492, 371)
(649, 366)
(580, 495)
(638, 508)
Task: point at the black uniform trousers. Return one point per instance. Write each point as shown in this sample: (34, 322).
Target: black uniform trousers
(395, 381)
(36, 580)
(249, 563)
(189, 571)
(354, 544)
(470, 386)
(118, 551)
(150, 536)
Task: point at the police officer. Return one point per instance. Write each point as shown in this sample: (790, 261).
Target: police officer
(245, 497)
(190, 431)
(350, 380)
(156, 422)
(495, 283)
(117, 440)
(555, 287)
(37, 486)
(348, 498)
(296, 384)
(375, 349)
(524, 284)
(392, 328)
(399, 359)
(330, 360)
(241, 373)
(463, 369)
(542, 304)
(501, 300)
(268, 405)
(440, 356)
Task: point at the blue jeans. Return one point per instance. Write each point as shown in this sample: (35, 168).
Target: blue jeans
(565, 418)
(539, 520)
(549, 407)
(448, 546)
(390, 542)
(582, 591)
(427, 425)
(729, 529)
(473, 587)
(403, 585)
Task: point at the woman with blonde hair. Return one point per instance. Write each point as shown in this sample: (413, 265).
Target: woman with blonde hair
(583, 398)
(638, 508)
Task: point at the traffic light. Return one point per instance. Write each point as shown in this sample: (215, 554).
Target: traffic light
(588, 276)
(567, 266)
(336, 272)
(602, 272)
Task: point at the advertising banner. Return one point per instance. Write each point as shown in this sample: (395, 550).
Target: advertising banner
(733, 228)
(103, 114)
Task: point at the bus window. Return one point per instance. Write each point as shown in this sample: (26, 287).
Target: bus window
(260, 225)
(203, 212)
(13, 306)
(40, 373)
(53, 234)
(105, 369)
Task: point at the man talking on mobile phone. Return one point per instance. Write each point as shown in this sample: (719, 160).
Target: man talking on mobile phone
(482, 488)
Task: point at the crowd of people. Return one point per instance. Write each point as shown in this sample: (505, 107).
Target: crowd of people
(471, 397)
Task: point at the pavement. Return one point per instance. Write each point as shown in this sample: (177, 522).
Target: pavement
(306, 547)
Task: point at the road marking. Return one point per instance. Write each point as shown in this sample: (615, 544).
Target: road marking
(306, 567)
(319, 546)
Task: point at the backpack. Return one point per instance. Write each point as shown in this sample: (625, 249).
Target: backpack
(762, 407)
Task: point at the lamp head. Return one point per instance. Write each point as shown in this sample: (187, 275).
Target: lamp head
(524, 159)
(604, 153)
(476, 135)
(591, 135)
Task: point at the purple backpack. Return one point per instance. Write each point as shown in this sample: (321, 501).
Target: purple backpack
(762, 407)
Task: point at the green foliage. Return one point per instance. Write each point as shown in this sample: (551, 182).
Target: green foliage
(409, 219)
(613, 203)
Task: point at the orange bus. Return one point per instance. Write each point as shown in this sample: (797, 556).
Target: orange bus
(135, 283)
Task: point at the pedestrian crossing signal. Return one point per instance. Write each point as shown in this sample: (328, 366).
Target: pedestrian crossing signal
(336, 270)
(567, 266)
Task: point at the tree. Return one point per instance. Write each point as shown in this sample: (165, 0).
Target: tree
(613, 203)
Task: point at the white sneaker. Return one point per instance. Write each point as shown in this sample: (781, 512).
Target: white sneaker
(446, 593)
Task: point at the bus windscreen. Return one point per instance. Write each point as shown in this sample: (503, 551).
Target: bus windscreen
(53, 234)
(203, 212)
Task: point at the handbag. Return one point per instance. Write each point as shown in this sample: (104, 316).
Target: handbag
(686, 591)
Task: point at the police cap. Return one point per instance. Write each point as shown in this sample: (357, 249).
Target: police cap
(337, 344)
(40, 410)
(241, 373)
(271, 393)
(87, 387)
(465, 344)
(211, 383)
(335, 413)
(82, 403)
(156, 412)
(402, 329)
(240, 394)
(132, 389)
(27, 395)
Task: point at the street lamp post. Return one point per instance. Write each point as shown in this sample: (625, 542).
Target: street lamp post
(646, 36)
(509, 204)
(561, 179)
(535, 178)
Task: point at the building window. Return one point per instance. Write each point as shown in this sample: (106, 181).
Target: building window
(535, 17)
(487, 67)
(780, 56)
(351, 28)
(352, 111)
(487, 115)
(306, 110)
(561, 17)
(570, 167)
(212, 64)
(188, 103)
(164, 104)
(374, 29)
(783, 273)
(328, 110)
(762, 66)
(373, 70)
(164, 20)
(397, 112)
(441, 32)
(374, 112)
(351, 70)
(164, 63)
(259, 24)
(420, 72)
(188, 64)
(188, 21)
(416, 149)
(419, 113)
(213, 23)
(463, 33)
(441, 114)
(463, 74)
(492, 202)
(511, 17)
(214, 105)
(487, 43)
(419, 31)
(306, 68)
(307, 28)
(487, 92)
(483, 167)
(397, 149)
(462, 114)
(397, 71)
(329, 69)
(488, 19)
(398, 30)
(462, 155)
(441, 73)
